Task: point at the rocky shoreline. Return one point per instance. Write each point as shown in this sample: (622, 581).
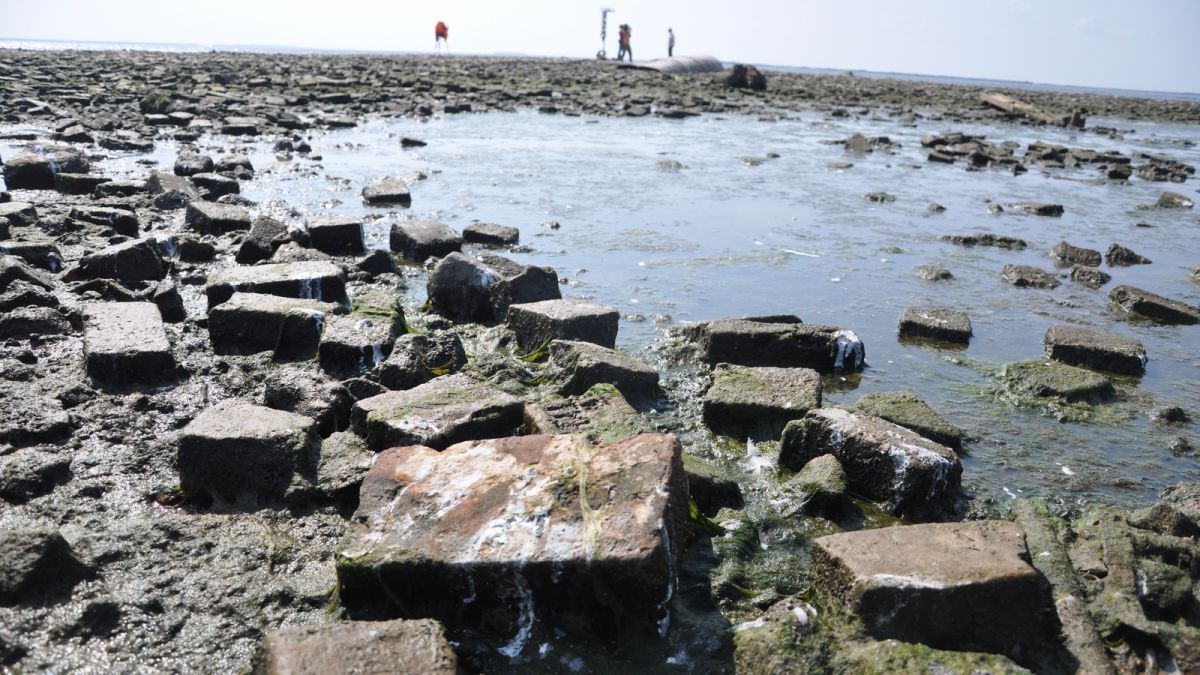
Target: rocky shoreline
(230, 442)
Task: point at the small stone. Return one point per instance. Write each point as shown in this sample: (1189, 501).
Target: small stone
(214, 186)
(1026, 276)
(387, 192)
(1155, 307)
(757, 402)
(1173, 200)
(879, 197)
(491, 234)
(935, 207)
(193, 250)
(932, 273)
(1089, 276)
(169, 301)
(213, 218)
(1067, 253)
(378, 262)
(1171, 415)
(422, 239)
(985, 239)
(341, 235)
(1039, 209)
(266, 234)
(400, 646)
(241, 453)
(1096, 349)
(935, 323)
(439, 413)
(537, 323)
(190, 165)
(125, 344)
(1119, 256)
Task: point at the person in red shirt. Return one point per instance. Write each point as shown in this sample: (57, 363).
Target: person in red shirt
(441, 34)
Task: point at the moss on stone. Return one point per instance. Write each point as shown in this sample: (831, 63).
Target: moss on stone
(907, 410)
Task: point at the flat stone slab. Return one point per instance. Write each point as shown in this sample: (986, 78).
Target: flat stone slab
(1153, 307)
(308, 280)
(438, 413)
(249, 323)
(134, 260)
(907, 473)
(505, 532)
(580, 365)
(491, 234)
(340, 235)
(1096, 349)
(241, 453)
(387, 192)
(400, 646)
(757, 402)
(1051, 379)
(537, 323)
(909, 411)
(214, 218)
(781, 341)
(420, 240)
(20, 214)
(1066, 253)
(959, 586)
(122, 221)
(934, 323)
(1027, 276)
(125, 343)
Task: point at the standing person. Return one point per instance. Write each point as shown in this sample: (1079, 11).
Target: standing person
(441, 34)
(621, 37)
(670, 42)
(629, 42)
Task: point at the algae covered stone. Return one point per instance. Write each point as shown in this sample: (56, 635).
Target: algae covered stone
(580, 365)
(757, 402)
(935, 323)
(494, 535)
(908, 410)
(1051, 379)
(601, 413)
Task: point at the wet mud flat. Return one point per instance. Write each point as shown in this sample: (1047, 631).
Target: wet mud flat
(232, 407)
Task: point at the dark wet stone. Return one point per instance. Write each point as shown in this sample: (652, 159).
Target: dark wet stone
(241, 126)
(249, 323)
(1089, 276)
(1173, 200)
(422, 239)
(355, 343)
(1096, 349)
(121, 221)
(338, 235)
(28, 171)
(212, 218)
(1119, 256)
(266, 234)
(491, 550)
(387, 192)
(935, 323)
(821, 484)
(190, 165)
(317, 280)
(125, 344)
(134, 260)
(781, 341)
(581, 365)
(37, 567)
(121, 188)
(481, 290)
(962, 586)
(19, 214)
(491, 234)
(378, 262)
(1026, 276)
(1171, 415)
(907, 410)
(407, 142)
(985, 239)
(931, 273)
(170, 191)
(1119, 172)
(169, 301)
(235, 166)
(28, 474)
(1067, 253)
(24, 294)
(537, 323)
(879, 197)
(23, 322)
(910, 474)
(242, 453)
(1039, 209)
(213, 186)
(1154, 307)
(193, 250)
(439, 413)
(757, 402)
(417, 358)
(401, 646)
(310, 394)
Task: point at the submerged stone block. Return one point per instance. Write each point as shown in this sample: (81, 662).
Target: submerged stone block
(309, 280)
(497, 534)
(238, 452)
(125, 343)
(960, 586)
(910, 475)
(1153, 307)
(443, 411)
(757, 402)
(1051, 379)
(1095, 348)
(537, 323)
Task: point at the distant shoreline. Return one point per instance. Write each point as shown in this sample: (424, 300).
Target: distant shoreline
(100, 45)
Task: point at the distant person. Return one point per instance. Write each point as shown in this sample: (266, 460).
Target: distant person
(622, 38)
(670, 42)
(441, 34)
(628, 43)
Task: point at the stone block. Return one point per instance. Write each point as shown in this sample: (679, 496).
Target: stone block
(1154, 307)
(537, 323)
(780, 341)
(337, 235)
(213, 218)
(249, 323)
(415, 646)
(580, 365)
(1096, 349)
(757, 402)
(125, 344)
(422, 239)
(934, 323)
(310, 280)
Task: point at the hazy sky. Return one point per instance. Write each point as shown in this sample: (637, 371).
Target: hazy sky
(1132, 44)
